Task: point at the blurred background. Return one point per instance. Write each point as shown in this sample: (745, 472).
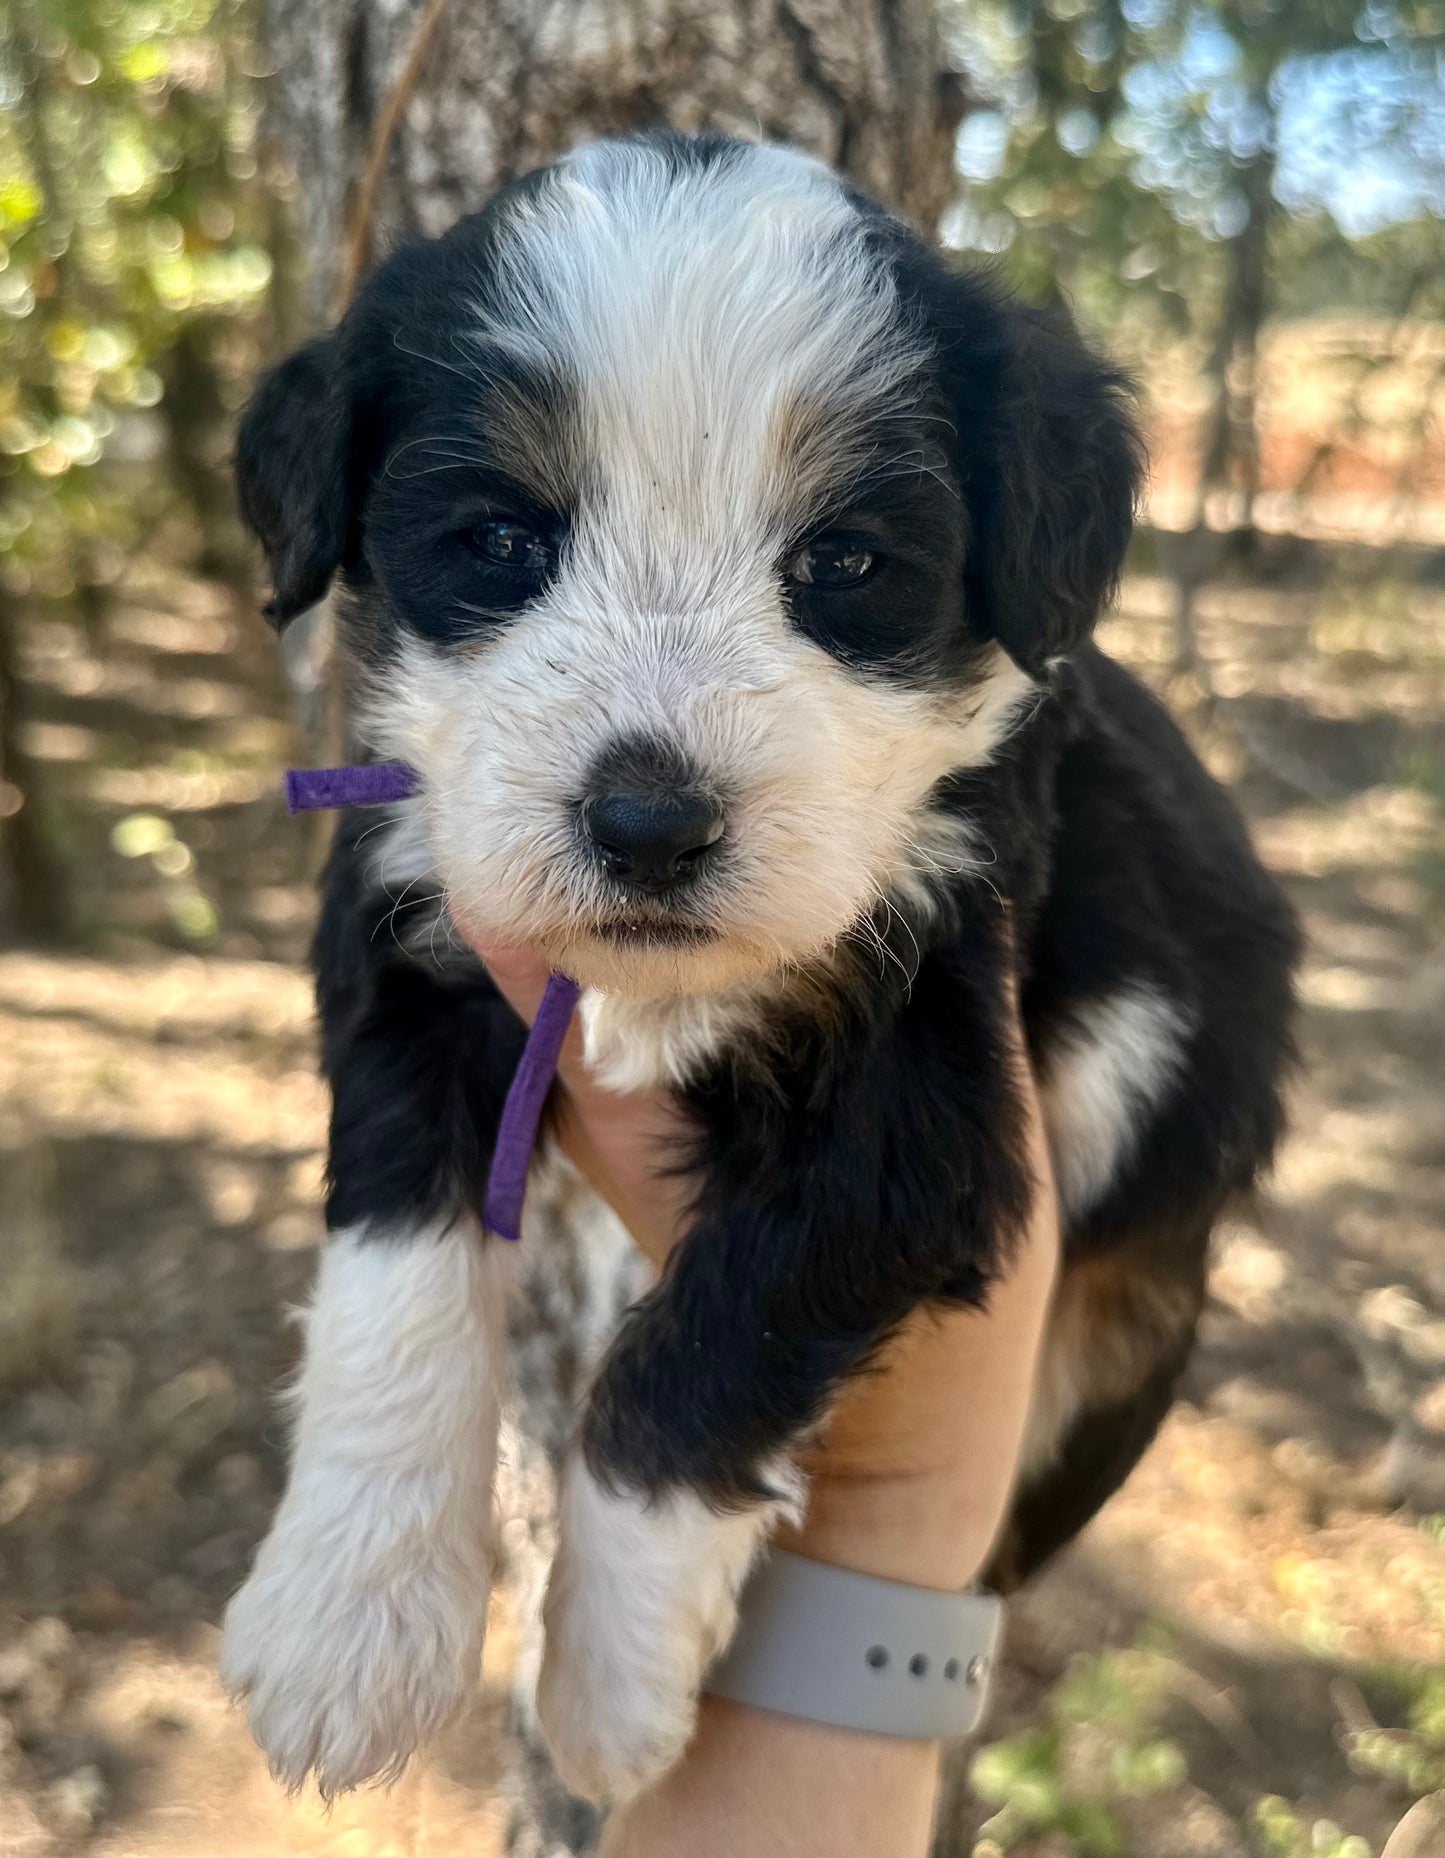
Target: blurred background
(1245, 1656)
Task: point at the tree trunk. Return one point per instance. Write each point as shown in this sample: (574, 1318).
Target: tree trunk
(507, 86)
(1230, 455)
(1229, 446)
(476, 95)
(33, 892)
(193, 414)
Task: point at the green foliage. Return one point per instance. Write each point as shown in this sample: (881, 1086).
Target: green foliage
(1052, 176)
(1129, 144)
(1397, 271)
(148, 835)
(1098, 1747)
(1285, 1835)
(1413, 1758)
(130, 208)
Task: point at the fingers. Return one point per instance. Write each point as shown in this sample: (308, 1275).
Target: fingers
(521, 975)
(620, 1142)
(518, 970)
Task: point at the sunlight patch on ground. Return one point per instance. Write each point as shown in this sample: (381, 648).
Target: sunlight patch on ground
(212, 995)
(170, 790)
(67, 1076)
(1386, 826)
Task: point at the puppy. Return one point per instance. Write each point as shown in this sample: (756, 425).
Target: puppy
(726, 563)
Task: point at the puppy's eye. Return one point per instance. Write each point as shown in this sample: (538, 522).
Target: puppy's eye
(832, 561)
(507, 544)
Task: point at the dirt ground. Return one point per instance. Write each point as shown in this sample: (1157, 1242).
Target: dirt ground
(1268, 1592)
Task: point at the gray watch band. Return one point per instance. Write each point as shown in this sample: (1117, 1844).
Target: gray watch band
(844, 1648)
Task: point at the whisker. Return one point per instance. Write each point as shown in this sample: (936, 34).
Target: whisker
(466, 374)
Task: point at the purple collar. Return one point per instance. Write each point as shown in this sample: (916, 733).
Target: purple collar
(371, 785)
(374, 785)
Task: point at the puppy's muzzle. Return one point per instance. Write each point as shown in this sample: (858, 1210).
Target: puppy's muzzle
(648, 821)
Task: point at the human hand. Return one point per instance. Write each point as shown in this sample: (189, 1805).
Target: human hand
(910, 1481)
(623, 1143)
(913, 1473)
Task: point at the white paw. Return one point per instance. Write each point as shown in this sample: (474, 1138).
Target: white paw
(350, 1658)
(642, 1598)
(360, 1629)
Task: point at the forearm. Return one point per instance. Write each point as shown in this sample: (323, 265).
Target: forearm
(914, 1476)
(755, 1785)
(912, 1485)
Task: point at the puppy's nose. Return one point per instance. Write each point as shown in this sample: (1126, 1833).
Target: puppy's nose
(653, 839)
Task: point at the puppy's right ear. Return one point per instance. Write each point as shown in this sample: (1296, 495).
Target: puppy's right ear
(293, 471)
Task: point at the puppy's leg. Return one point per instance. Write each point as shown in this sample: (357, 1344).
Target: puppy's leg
(643, 1595)
(832, 1205)
(360, 1628)
(682, 1473)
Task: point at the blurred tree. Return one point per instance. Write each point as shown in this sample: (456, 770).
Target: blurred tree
(133, 230)
(1132, 157)
(128, 208)
(1398, 270)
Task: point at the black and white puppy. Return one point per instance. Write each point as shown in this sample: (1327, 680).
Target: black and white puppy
(726, 564)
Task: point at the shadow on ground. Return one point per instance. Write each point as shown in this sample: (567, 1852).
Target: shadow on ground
(160, 1172)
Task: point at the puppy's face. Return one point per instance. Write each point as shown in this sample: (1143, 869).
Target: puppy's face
(671, 568)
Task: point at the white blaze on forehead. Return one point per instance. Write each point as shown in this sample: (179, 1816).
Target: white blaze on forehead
(726, 331)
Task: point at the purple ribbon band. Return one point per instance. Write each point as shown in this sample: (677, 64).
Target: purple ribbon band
(521, 1113)
(375, 784)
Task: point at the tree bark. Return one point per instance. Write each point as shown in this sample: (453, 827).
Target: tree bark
(507, 86)
(1230, 454)
(34, 900)
(1229, 446)
(487, 93)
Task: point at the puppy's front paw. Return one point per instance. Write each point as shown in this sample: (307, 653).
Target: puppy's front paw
(352, 1646)
(643, 1596)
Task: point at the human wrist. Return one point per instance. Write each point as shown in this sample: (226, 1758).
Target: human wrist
(918, 1528)
(754, 1784)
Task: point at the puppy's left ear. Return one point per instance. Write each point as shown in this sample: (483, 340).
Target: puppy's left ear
(1055, 466)
(293, 471)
